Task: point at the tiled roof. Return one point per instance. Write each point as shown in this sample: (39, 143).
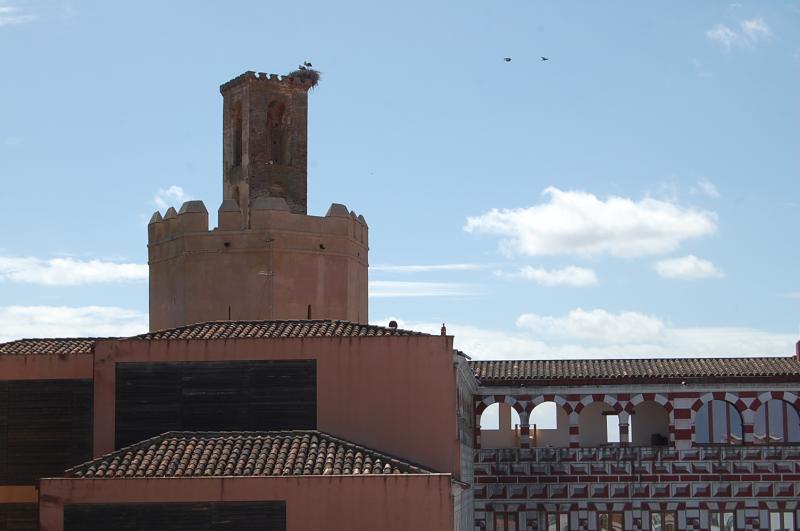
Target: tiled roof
(48, 346)
(219, 454)
(275, 329)
(214, 330)
(514, 371)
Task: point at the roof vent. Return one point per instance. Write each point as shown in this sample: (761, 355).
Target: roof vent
(393, 325)
(444, 330)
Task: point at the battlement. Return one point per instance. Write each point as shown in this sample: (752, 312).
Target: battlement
(286, 81)
(267, 213)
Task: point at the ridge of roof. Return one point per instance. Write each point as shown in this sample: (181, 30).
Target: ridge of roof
(268, 328)
(502, 371)
(242, 454)
(276, 328)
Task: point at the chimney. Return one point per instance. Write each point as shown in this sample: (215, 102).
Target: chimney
(797, 350)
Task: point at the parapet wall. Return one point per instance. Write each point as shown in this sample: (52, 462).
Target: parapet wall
(263, 77)
(268, 213)
(284, 266)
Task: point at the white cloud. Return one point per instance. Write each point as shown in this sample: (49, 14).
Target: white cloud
(394, 289)
(750, 33)
(424, 268)
(14, 16)
(576, 222)
(567, 276)
(174, 196)
(658, 340)
(755, 30)
(707, 188)
(687, 267)
(63, 321)
(67, 271)
(792, 295)
(594, 325)
(723, 35)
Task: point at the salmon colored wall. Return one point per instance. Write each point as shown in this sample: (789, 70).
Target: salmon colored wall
(393, 394)
(333, 503)
(275, 270)
(46, 367)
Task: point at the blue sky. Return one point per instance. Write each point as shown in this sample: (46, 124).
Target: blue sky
(637, 194)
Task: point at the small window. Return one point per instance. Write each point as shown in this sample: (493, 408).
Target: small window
(611, 521)
(506, 521)
(557, 521)
(781, 521)
(663, 521)
(723, 521)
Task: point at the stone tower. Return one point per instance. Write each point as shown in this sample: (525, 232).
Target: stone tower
(267, 259)
(265, 140)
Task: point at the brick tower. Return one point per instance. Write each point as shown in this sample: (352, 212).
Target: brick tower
(267, 259)
(265, 140)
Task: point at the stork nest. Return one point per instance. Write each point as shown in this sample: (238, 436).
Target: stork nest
(306, 73)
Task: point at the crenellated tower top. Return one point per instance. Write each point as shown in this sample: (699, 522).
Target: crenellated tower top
(265, 140)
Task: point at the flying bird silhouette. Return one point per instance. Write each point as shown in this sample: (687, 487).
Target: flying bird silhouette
(545, 58)
(507, 59)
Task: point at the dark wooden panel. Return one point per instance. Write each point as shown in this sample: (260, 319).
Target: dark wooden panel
(152, 398)
(221, 516)
(45, 428)
(19, 517)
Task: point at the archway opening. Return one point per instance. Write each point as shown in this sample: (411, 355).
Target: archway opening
(499, 427)
(718, 422)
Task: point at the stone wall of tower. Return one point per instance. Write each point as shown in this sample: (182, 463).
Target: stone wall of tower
(265, 122)
(285, 266)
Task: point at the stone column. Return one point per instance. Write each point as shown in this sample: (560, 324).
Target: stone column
(624, 426)
(524, 430)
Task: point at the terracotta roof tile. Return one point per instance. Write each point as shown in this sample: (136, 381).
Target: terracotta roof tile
(49, 346)
(275, 329)
(217, 454)
(214, 330)
(515, 371)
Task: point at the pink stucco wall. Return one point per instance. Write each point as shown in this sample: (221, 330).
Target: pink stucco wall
(396, 395)
(333, 503)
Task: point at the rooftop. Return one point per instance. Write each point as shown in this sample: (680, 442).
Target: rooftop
(223, 454)
(545, 371)
(214, 330)
(276, 329)
(69, 345)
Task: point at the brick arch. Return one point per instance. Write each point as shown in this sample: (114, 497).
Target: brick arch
(731, 398)
(541, 399)
(735, 401)
(649, 397)
(599, 397)
(786, 396)
(485, 401)
(488, 400)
